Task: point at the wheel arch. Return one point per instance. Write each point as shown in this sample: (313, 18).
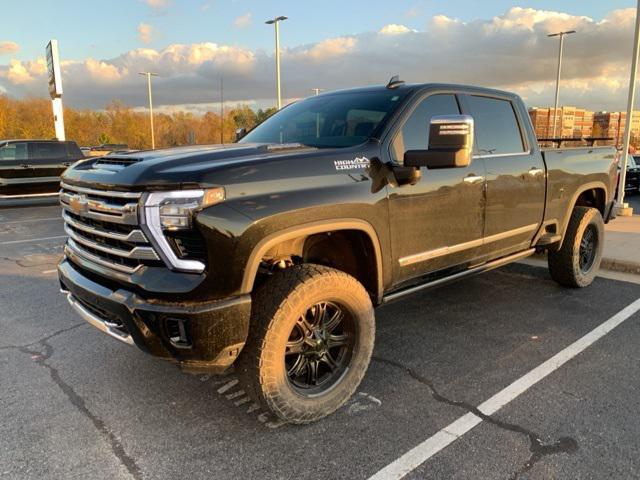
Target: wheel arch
(592, 194)
(308, 230)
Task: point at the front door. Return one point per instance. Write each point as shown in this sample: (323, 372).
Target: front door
(515, 173)
(438, 222)
(14, 167)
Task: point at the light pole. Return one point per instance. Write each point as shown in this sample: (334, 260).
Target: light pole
(555, 110)
(630, 103)
(276, 21)
(149, 75)
(221, 110)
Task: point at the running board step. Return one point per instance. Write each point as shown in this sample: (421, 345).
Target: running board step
(467, 273)
(548, 239)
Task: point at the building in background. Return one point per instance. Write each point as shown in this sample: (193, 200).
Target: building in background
(612, 124)
(572, 122)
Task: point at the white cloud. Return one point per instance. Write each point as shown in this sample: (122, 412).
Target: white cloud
(157, 4)
(24, 73)
(332, 47)
(394, 29)
(510, 51)
(8, 47)
(243, 20)
(145, 32)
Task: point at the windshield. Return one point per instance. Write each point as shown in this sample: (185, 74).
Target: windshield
(338, 120)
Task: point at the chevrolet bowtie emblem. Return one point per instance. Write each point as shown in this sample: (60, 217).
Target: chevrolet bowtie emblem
(79, 204)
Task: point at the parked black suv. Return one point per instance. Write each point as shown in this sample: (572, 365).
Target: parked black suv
(632, 183)
(30, 167)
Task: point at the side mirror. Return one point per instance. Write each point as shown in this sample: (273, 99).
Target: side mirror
(241, 132)
(450, 144)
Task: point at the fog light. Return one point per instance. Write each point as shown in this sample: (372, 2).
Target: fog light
(177, 332)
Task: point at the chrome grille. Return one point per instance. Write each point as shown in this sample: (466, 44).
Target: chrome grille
(103, 228)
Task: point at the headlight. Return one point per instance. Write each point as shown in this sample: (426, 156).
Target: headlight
(174, 211)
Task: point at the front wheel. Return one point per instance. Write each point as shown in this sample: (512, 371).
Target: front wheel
(577, 261)
(310, 342)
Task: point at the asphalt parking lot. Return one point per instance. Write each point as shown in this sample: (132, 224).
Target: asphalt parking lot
(74, 403)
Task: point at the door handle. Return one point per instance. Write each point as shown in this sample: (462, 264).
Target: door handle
(533, 171)
(471, 178)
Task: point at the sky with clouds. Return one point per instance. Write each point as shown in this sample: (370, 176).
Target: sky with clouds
(329, 45)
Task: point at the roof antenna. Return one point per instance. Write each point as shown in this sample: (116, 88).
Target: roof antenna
(395, 82)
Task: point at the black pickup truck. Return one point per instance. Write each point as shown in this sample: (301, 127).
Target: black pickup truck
(275, 250)
(33, 167)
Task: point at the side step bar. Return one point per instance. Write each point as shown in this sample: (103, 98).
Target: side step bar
(26, 196)
(485, 267)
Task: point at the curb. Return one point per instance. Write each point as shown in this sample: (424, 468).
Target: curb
(611, 264)
(623, 266)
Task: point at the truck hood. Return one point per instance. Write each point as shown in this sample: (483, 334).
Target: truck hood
(180, 166)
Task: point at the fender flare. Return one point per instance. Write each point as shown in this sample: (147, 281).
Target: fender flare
(574, 199)
(307, 229)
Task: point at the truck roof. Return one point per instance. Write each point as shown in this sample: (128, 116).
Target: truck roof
(412, 87)
(14, 140)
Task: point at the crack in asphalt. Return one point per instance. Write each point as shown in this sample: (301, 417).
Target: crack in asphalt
(21, 262)
(44, 339)
(41, 357)
(537, 447)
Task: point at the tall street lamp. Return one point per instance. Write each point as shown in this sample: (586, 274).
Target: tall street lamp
(630, 104)
(555, 111)
(276, 21)
(149, 75)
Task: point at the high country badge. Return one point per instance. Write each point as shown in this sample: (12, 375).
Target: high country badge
(355, 164)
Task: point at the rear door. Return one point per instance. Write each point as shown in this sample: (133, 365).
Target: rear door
(14, 167)
(48, 160)
(515, 174)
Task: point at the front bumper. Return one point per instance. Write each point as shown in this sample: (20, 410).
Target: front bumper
(212, 333)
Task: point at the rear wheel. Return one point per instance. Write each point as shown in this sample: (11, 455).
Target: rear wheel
(577, 262)
(311, 337)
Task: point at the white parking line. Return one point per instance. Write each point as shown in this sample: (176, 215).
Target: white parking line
(31, 220)
(11, 242)
(424, 451)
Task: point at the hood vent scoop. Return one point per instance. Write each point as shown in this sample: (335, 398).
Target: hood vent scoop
(274, 147)
(114, 164)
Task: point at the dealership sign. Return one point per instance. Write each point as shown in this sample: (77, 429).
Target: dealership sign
(53, 69)
(55, 88)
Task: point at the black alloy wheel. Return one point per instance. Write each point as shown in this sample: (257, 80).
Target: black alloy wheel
(320, 348)
(588, 248)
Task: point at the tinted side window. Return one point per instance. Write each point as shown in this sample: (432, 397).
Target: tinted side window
(49, 151)
(414, 134)
(73, 151)
(13, 151)
(495, 124)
